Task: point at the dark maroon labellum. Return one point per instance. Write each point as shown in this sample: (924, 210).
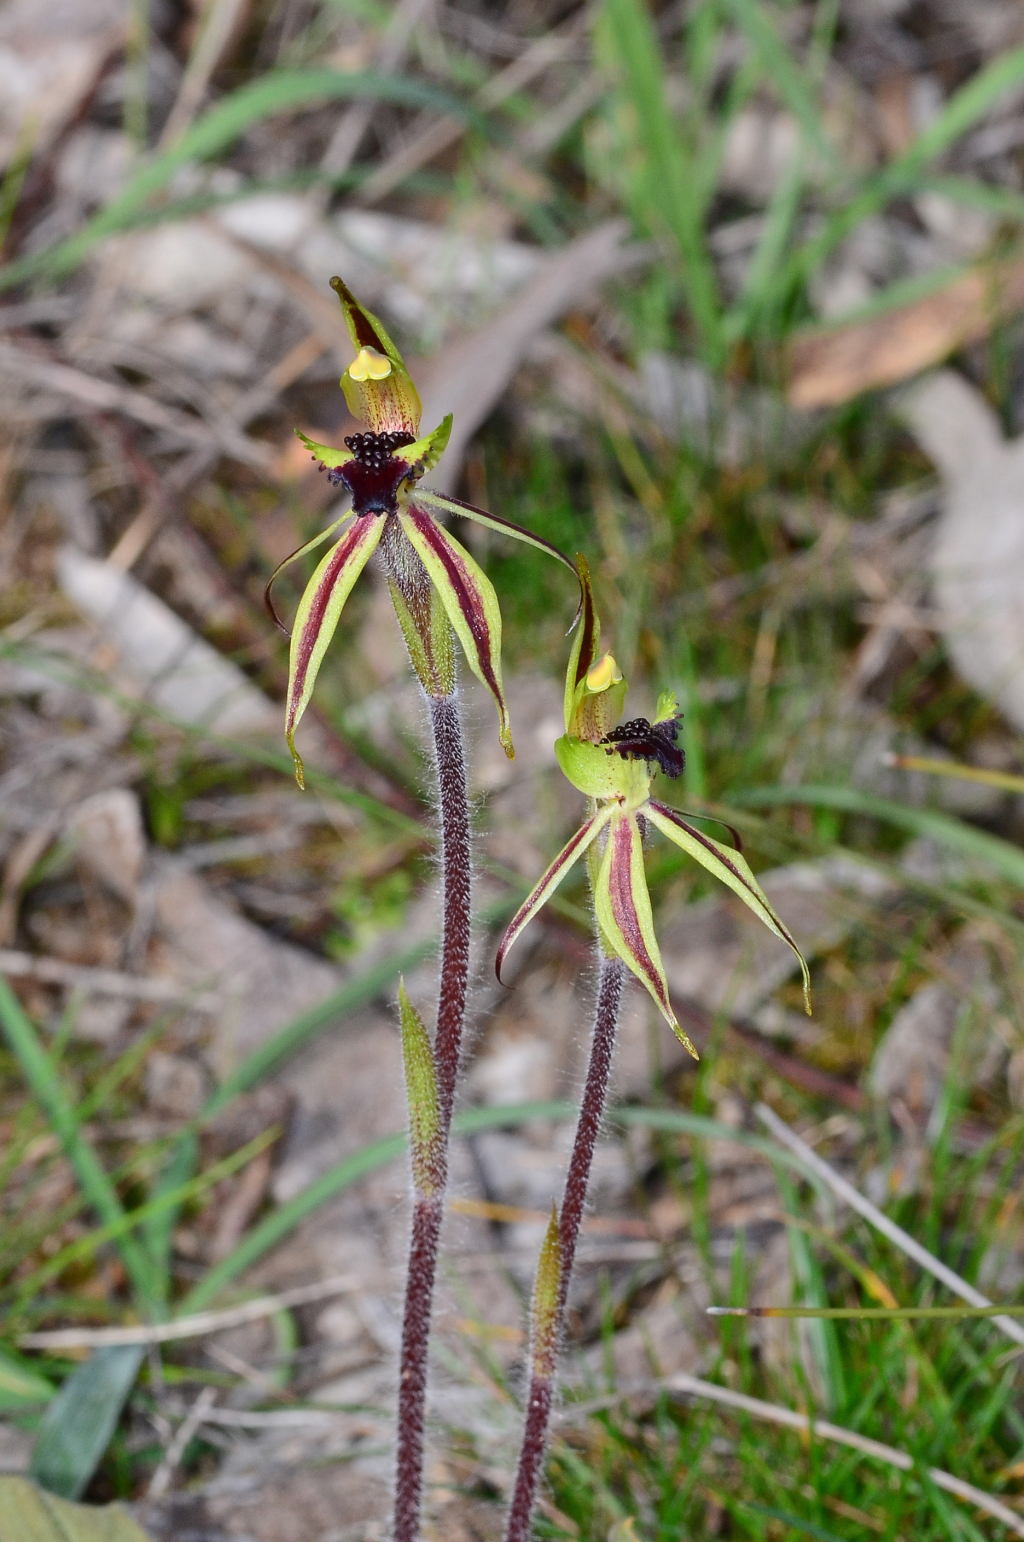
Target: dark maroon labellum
(376, 474)
(640, 740)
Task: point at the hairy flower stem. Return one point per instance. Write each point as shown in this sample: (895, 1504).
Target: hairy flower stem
(428, 1208)
(541, 1394)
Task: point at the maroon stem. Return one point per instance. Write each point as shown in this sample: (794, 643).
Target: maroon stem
(539, 1401)
(428, 1211)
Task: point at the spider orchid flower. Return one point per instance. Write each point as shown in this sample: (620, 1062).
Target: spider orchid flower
(614, 767)
(435, 584)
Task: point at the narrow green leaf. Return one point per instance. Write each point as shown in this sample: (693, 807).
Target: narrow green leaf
(21, 1385)
(1005, 859)
(547, 1296)
(669, 184)
(426, 1144)
(277, 92)
(77, 1427)
(45, 1086)
(787, 77)
(467, 1121)
(29, 1515)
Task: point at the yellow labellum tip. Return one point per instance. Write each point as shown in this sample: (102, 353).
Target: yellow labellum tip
(604, 674)
(368, 364)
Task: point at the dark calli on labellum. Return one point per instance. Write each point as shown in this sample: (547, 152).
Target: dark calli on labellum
(640, 740)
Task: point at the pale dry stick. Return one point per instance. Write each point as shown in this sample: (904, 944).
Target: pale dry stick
(197, 1415)
(103, 982)
(218, 27)
(436, 136)
(200, 1323)
(104, 396)
(772, 1413)
(142, 529)
(881, 1222)
(347, 137)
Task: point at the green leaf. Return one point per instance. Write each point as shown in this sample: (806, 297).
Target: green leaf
(277, 92)
(546, 1303)
(21, 1385)
(77, 1426)
(1005, 859)
(669, 185)
(38, 1070)
(28, 1515)
(425, 1140)
(786, 76)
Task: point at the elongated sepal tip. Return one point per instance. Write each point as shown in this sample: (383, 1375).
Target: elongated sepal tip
(505, 735)
(684, 1038)
(425, 1141)
(300, 770)
(547, 1296)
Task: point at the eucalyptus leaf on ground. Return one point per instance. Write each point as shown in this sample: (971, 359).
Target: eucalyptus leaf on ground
(27, 1514)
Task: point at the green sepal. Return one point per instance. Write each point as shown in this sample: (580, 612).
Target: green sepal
(600, 773)
(425, 1143)
(330, 458)
(732, 869)
(574, 848)
(546, 1306)
(585, 641)
(389, 405)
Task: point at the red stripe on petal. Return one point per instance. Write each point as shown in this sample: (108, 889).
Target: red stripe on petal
(350, 541)
(620, 893)
(570, 853)
(465, 591)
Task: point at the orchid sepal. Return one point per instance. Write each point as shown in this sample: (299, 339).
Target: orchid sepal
(581, 842)
(583, 653)
(622, 904)
(470, 602)
(460, 510)
(318, 615)
(387, 401)
(731, 868)
(302, 551)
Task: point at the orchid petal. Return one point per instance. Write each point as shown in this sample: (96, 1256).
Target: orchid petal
(424, 454)
(318, 614)
(318, 540)
(542, 891)
(385, 399)
(623, 907)
(468, 597)
(732, 869)
(329, 457)
(492, 521)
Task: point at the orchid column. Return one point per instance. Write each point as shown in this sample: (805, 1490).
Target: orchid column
(439, 593)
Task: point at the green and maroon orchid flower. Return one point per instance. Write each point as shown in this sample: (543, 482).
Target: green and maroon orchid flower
(615, 766)
(436, 586)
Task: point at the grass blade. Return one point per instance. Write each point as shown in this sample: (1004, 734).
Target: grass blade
(667, 186)
(790, 81)
(277, 1226)
(21, 1385)
(1005, 859)
(39, 1073)
(281, 91)
(77, 1427)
